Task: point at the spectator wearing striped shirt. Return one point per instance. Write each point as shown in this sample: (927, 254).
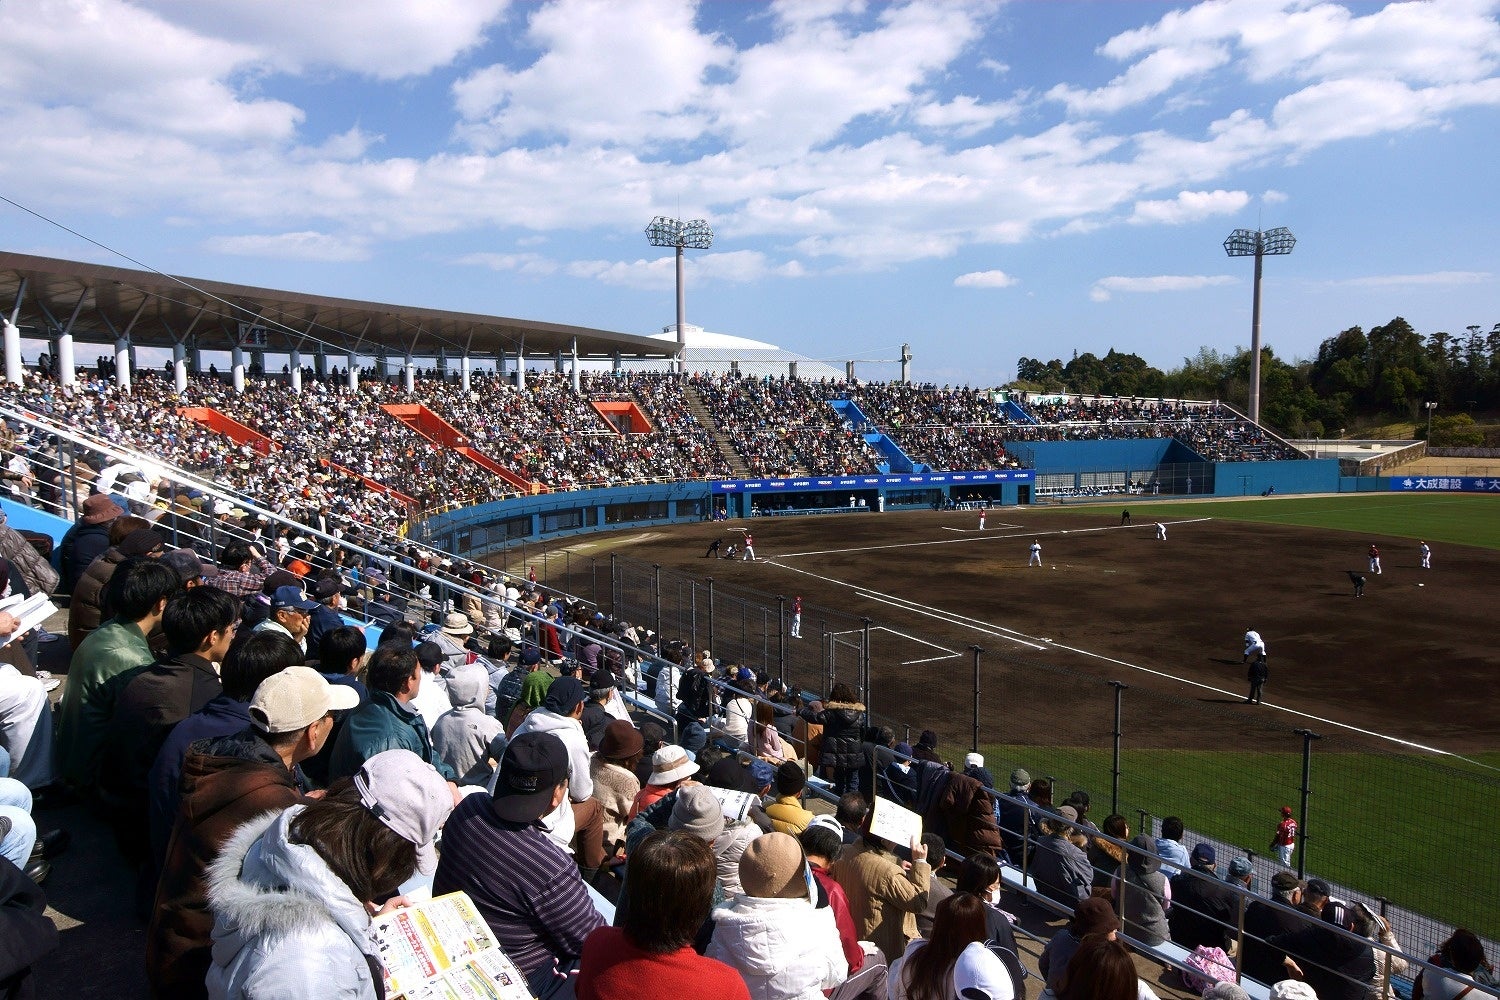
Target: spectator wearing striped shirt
(527, 888)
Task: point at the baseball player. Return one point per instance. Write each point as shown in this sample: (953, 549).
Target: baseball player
(1286, 836)
(1254, 644)
(1358, 579)
(1374, 560)
(1036, 554)
(1161, 532)
(749, 555)
(981, 519)
(1426, 555)
(797, 617)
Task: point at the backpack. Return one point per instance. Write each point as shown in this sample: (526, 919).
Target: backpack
(1012, 963)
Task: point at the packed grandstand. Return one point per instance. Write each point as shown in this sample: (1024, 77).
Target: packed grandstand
(334, 445)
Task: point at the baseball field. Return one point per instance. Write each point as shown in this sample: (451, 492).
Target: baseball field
(1392, 689)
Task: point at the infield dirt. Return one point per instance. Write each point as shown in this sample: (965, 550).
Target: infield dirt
(1402, 660)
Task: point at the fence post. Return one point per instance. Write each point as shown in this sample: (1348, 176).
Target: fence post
(781, 637)
(827, 653)
(710, 581)
(657, 568)
(864, 667)
(693, 611)
(1114, 788)
(614, 582)
(744, 635)
(977, 650)
(1307, 741)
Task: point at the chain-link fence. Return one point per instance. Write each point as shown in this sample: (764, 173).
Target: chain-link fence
(1402, 828)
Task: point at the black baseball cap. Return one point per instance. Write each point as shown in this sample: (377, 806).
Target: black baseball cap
(533, 766)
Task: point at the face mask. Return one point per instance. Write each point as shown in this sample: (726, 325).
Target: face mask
(993, 896)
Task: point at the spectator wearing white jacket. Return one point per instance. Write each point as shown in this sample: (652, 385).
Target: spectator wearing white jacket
(289, 891)
(559, 714)
(773, 935)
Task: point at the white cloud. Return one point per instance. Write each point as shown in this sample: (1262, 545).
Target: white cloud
(985, 279)
(964, 115)
(836, 135)
(1153, 76)
(1438, 278)
(1105, 288)
(1273, 197)
(733, 267)
(1189, 206)
(610, 72)
(530, 264)
(383, 39)
(292, 246)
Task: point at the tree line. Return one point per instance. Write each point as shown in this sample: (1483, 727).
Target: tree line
(1356, 379)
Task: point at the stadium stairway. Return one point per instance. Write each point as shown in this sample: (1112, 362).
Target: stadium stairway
(738, 468)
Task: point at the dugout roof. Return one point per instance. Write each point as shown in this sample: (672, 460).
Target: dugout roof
(102, 303)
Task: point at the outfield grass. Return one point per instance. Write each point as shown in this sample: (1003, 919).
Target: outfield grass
(1455, 518)
(1368, 815)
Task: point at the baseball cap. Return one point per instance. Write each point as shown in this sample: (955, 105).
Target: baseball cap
(564, 695)
(1285, 882)
(1317, 887)
(188, 566)
(327, 587)
(827, 821)
(973, 759)
(291, 597)
(295, 698)
(533, 765)
(530, 658)
(143, 541)
(1205, 854)
(1020, 776)
(278, 579)
(1286, 810)
(1239, 868)
(409, 796)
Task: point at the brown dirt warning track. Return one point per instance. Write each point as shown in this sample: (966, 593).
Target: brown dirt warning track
(1112, 602)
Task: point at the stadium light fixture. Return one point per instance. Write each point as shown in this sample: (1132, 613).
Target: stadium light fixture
(1431, 405)
(1258, 244)
(695, 234)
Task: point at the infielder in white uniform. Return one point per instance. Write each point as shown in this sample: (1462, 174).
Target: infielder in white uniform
(1426, 555)
(1254, 645)
(1161, 532)
(1036, 554)
(981, 519)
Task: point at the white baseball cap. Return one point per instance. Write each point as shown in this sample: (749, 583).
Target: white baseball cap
(295, 698)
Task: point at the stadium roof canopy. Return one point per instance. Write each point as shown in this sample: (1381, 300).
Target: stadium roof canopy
(99, 304)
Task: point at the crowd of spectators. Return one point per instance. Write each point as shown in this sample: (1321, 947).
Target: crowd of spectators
(249, 749)
(336, 449)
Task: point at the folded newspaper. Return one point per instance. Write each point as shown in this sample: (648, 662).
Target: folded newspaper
(443, 950)
(30, 612)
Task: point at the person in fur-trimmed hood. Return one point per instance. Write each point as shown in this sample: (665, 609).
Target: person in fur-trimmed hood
(843, 737)
(293, 892)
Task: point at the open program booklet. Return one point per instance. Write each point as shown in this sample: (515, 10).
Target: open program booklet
(443, 950)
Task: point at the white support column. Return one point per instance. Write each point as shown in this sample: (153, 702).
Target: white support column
(409, 376)
(295, 364)
(237, 368)
(15, 372)
(353, 377)
(464, 367)
(574, 352)
(67, 373)
(122, 363)
(179, 367)
(520, 370)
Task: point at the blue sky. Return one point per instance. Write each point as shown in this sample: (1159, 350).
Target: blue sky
(981, 180)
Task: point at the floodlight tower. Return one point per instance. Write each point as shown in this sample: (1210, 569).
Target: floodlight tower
(1257, 244)
(695, 234)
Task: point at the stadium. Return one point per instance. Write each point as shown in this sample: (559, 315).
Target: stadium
(439, 447)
